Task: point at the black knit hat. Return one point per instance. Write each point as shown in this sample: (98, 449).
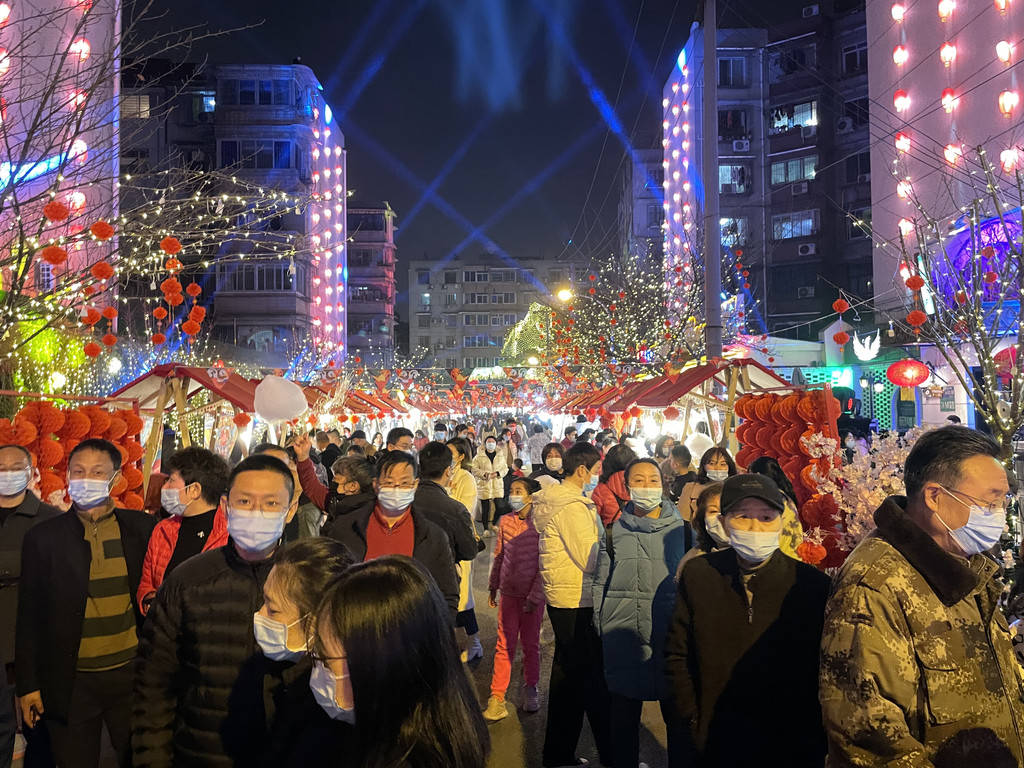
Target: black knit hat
(739, 487)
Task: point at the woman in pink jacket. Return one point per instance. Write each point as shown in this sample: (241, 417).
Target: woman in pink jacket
(516, 575)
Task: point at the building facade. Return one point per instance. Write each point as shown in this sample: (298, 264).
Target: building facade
(267, 125)
(372, 287)
(793, 179)
(641, 213)
(461, 310)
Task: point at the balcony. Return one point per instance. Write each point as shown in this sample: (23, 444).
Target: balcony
(256, 114)
(371, 307)
(260, 304)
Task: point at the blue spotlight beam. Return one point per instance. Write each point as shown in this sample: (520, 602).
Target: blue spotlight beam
(356, 44)
(640, 61)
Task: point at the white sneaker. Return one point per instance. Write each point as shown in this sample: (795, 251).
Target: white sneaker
(475, 651)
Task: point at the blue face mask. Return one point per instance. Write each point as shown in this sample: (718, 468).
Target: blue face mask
(323, 683)
(272, 638)
(981, 531)
(590, 485)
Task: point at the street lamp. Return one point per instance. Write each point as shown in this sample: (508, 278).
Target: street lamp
(564, 295)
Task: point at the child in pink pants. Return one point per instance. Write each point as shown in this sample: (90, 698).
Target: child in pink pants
(515, 574)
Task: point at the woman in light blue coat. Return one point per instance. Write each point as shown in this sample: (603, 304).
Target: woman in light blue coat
(634, 594)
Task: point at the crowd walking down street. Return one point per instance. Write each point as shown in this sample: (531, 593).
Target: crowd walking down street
(578, 617)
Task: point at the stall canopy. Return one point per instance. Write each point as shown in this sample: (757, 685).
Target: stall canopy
(753, 375)
(237, 390)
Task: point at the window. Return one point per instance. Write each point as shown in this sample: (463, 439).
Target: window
(474, 276)
(449, 342)
(451, 299)
(858, 278)
(246, 92)
(451, 277)
(207, 101)
(474, 320)
(364, 327)
(366, 222)
(423, 341)
(856, 110)
(858, 167)
(654, 181)
(732, 125)
(734, 231)
(45, 281)
(791, 116)
(733, 179)
(449, 362)
(282, 154)
(424, 302)
(855, 58)
(229, 92)
(422, 277)
(796, 169)
(794, 61)
(477, 340)
(556, 276)
(267, 276)
(797, 224)
(655, 215)
(478, 298)
(503, 298)
(451, 321)
(135, 106)
(364, 294)
(855, 230)
(282, 92)
(503, 276)
(422, 321)
(732, 72)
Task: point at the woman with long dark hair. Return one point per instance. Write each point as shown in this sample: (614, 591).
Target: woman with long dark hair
(386, 660)
(611, 494)
(716, 465)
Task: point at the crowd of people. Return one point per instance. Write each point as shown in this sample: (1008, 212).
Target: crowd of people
(313, 605)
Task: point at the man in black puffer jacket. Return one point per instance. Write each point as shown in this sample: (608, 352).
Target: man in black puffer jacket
(194, 703)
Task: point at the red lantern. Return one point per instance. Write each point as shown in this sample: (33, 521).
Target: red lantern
(961, 297)
(840, 305)
(915, 282)
(197, 313)
(159, 313)
(170, 245)
(54, 254)
(92, 349)
(907, 373)
(109, 339)
(101, 270)
(841, 338)
(91, 316)
(990, 277)
(190, 327)
(109, 312)
(170, 285)
(917, 318)
(193, 289)
(635, 412)
(174, 299)
(172, 265)
(241, 420)
(158, 338)
(56, 211)
(671, 413)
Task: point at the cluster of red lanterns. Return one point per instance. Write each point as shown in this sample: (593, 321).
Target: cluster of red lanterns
(174, 294)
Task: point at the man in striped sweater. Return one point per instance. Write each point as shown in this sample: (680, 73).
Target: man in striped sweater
(77, 613)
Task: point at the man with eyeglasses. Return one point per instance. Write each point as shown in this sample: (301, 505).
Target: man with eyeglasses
(394, 527)
(917, 666)
(198, 695)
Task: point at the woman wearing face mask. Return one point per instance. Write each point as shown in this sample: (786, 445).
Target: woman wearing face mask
(633, 600)
(463, 485)
(707, 525)
(611, 494)
(385, 660)
(550, 470)
(300, 732)
(489, 467)
(744, 640)
(515, 574)
(715, 466)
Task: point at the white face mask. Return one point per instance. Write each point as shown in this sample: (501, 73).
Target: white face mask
(718, 475)
(323, 683)
(272, 637)
(645, 499)
(14, 482)
(981, 531)
(170, 499)
(88, 493)
(253, 532)
(554, 463)
(716, 530)
(754, 546)
(395, 500)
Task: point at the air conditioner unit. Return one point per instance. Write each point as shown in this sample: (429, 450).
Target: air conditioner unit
(807, 249)
(844, 125)
(800, 188)
(808, 131)
(810, 10)
(864, 178)
(805, 292)
(741, 146)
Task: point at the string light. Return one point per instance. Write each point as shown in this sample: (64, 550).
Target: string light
(1004, 51)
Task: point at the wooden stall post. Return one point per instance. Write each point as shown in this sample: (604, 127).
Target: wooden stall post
(156, 432)
(179, 387)
(729, 429)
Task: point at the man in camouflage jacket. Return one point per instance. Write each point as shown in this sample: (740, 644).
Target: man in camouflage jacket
(917, 668)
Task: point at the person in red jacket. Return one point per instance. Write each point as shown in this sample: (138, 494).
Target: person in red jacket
(611, 493)
(197, 478)
(515, 573)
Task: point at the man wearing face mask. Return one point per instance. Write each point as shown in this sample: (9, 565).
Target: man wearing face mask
(915, 648)
(197, 692)
(401, 439)
(570, 529)
(20, 510)
(742, 641)
(197, 478)
(394, 527)
(78, 619)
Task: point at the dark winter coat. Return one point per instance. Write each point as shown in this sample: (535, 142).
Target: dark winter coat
(198, 694)
(431, 549)
(52, 593)
(339, 510)
(26, 515)
(746, 674)
(433, 503)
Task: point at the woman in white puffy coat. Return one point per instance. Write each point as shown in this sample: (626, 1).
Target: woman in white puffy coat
(489, 467)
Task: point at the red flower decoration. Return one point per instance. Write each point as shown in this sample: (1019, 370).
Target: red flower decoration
(915, 282)
(840, 305)
(170, 285)
(174, 299)
(56, 211)
(190, 327)
(102, 231)
(91, 316)
(159, 313)
(101, 270)
(54, 254)
(158, 338)
(170, 245)
(990, 277)
(109, 312)
(172, 265)
(241, 420)
(92, 349)
(917, 318)
(109, 339)
(193, 289)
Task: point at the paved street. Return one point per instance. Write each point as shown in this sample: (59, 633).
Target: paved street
(517, 740)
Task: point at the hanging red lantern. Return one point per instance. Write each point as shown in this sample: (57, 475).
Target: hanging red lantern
(193, 289)
(110, 313)
(197, 313)
(241, 420)
(917, 318)
(907, 373)
(671, 413)
(102, 231)
(915, 282)
(840, 305)
(635, 412)
(990, 277)
(101, 270)
(158, 338)
(170, 285)
(54, 254)
(174, 299)
(159, 313)
(56, 211)
(961, 297)
(92, 349)
(170, 245)
(190, 327)
(842, 338)
(91, 317)
(172, 265)
(109, 339)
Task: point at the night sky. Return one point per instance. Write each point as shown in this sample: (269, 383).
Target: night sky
(506, 88)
